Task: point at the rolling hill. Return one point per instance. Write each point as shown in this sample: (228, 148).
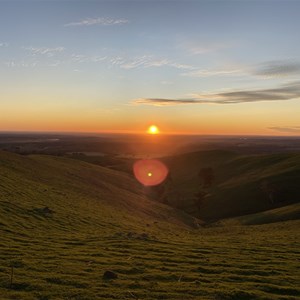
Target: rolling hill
(31, 182)
(242, 183)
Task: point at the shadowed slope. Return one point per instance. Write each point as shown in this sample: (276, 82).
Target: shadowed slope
(238, 186)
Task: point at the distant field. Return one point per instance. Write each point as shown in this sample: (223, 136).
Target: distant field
(98, 219)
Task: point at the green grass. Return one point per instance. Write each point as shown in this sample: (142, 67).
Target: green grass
(216, 263)
(101, 221)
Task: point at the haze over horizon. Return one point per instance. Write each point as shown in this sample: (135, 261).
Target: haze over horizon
(190, 67)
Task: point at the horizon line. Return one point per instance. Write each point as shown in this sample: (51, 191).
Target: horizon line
(124, 132)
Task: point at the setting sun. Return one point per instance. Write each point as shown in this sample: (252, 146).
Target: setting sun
(153, 129)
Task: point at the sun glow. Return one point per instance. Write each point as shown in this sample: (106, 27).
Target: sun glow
(153, 129)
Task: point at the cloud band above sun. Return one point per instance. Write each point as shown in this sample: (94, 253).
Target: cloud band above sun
(98, 21)
(289, 91)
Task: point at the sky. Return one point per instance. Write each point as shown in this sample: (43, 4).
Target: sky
(190, 67)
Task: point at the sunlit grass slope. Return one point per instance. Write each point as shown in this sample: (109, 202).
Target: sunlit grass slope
(97, 220)
(76, 191)
(237, 187)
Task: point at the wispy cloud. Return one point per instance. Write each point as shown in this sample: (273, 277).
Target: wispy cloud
(131, 63)
(285, 92)
(181, 66)
(164, 102)
(278, 68)
(20, 64)
(55, 56)
(144, 61)
(80, 58)
(98, 21)
(266, 70)
(49, 52)
(117, 60)
(147, 61)
(4, 44)
(214, 72)
(286, 129)
(195, 47)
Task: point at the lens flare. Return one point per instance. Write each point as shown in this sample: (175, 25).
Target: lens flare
(150, 172)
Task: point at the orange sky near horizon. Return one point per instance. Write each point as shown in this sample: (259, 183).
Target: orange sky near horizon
(226, 121)
(69, 125)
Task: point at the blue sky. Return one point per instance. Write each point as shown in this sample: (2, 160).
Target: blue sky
(208, 67)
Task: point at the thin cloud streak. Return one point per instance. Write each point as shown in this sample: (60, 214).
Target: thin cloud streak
(20, 64)
(98, 21)
(49, 52)
(287, 129)
(148, 61)
(80, 58)
(198, 48)
(286, 92)
(209, 73)
(278, 69)
(142, 62)
(272, 69)
(164, 102)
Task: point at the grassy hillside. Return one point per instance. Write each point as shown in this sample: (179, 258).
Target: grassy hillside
(73, 187)
(97, 220)
(238, 187)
